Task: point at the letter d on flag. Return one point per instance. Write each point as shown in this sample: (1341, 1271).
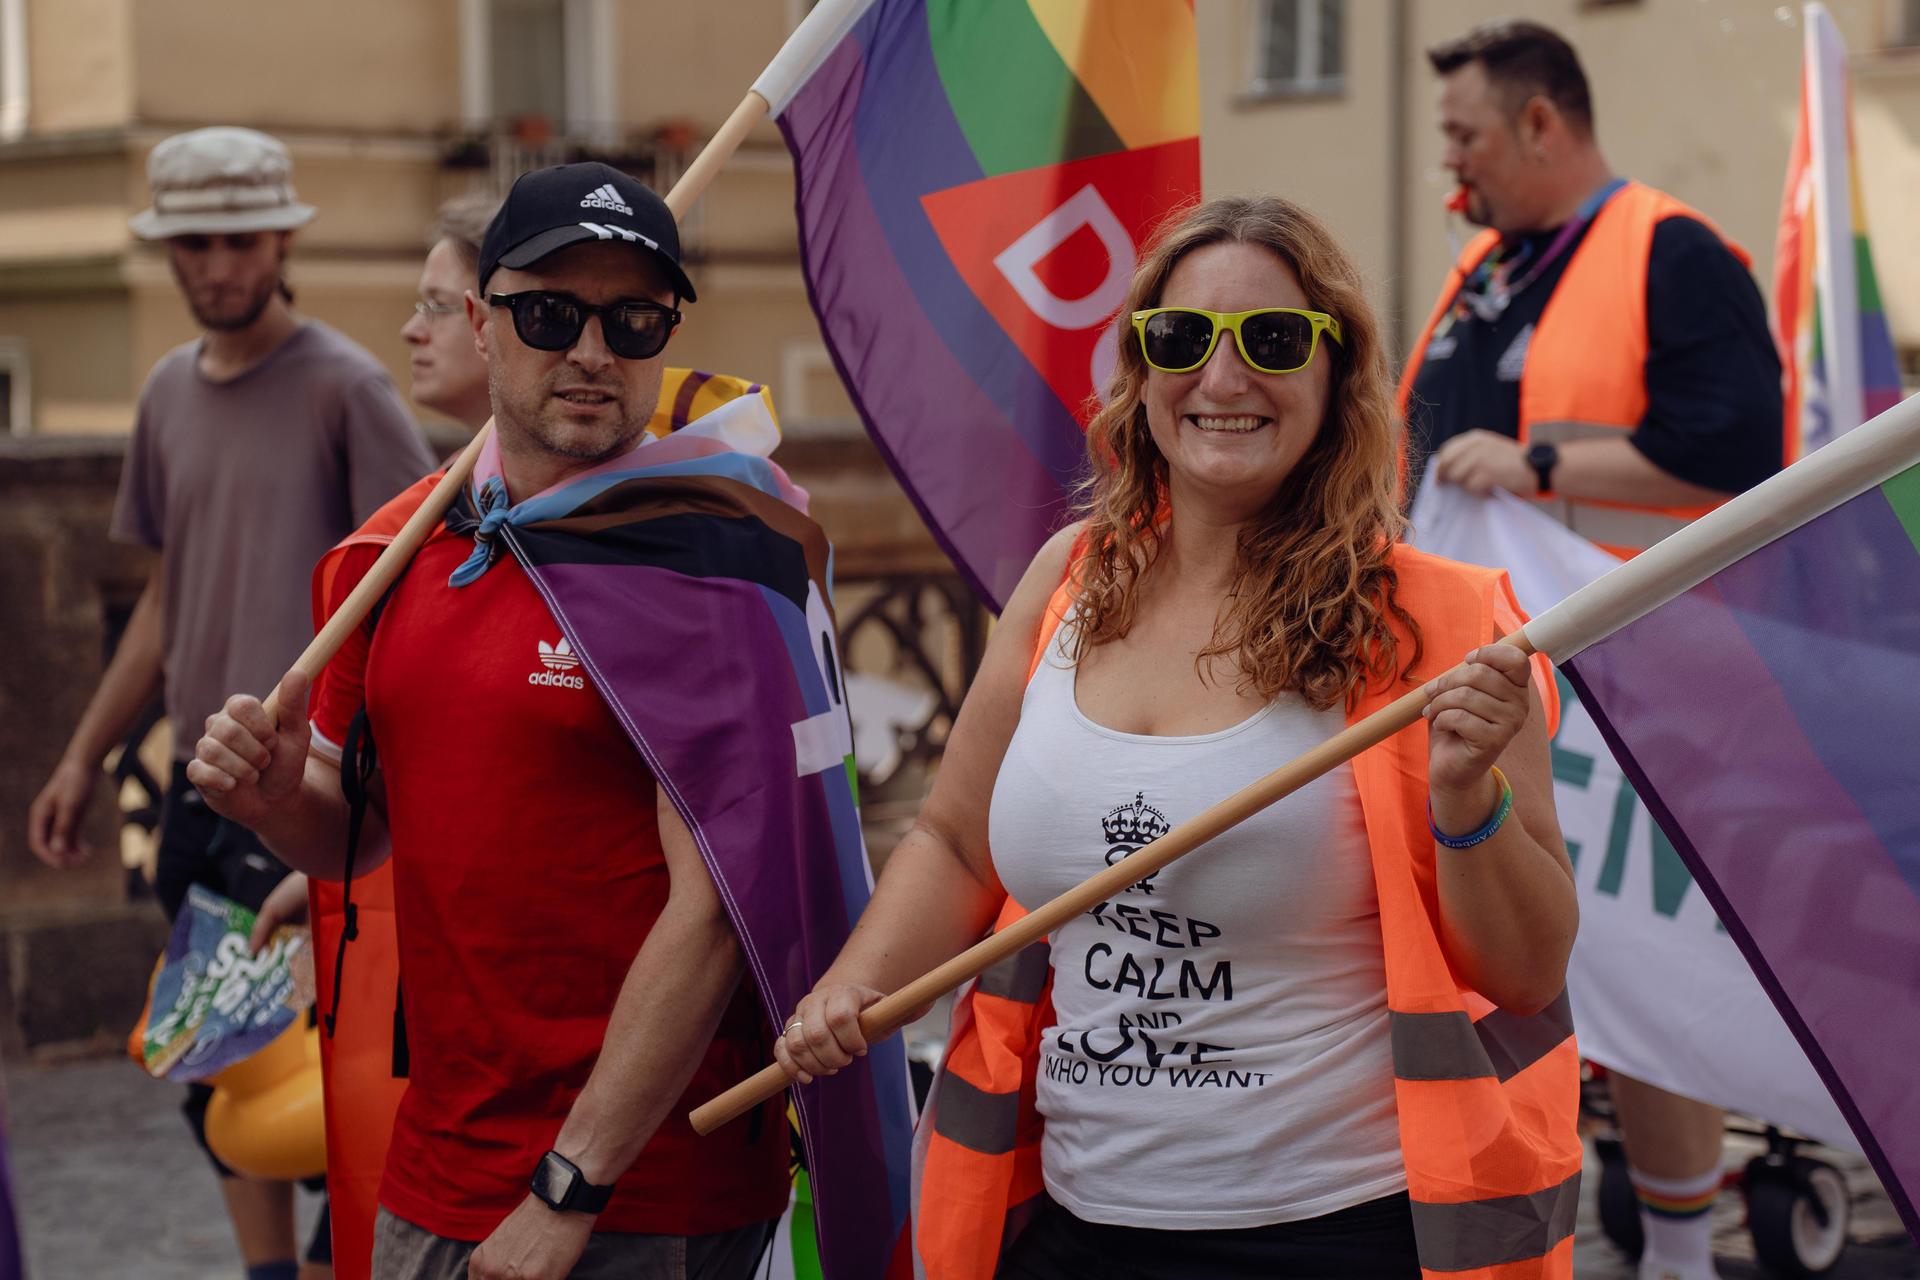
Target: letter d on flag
(1084, 208)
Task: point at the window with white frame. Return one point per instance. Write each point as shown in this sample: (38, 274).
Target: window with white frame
(13, 69)
(529, 60)
(1299, 47)
(540, 63)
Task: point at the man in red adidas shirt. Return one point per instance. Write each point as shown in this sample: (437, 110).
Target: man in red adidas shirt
(570, 977)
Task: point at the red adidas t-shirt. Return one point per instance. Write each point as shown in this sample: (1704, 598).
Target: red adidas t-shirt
(527, 872)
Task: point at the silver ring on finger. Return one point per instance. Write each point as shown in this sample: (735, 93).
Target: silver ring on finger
(791, 1027)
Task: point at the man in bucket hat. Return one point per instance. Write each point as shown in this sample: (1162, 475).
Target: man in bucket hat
(256, 447)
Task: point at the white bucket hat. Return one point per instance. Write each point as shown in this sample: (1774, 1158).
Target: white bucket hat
(218, 180)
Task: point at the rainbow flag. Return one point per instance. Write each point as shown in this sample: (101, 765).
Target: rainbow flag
(1757, 676)
(974, 180)
(1835, 345)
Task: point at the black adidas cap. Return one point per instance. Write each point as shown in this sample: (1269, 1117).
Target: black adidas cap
(549, 209)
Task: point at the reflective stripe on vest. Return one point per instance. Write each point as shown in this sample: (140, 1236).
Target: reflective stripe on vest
(1487, 1099)
(1453, 1046)
(1587, 376)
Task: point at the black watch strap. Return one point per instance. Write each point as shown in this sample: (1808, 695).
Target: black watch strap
(560, 1185)
(1543, 458)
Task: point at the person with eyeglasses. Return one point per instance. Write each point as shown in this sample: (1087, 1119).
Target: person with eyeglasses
(449, 374)
(1332, 1041)
(1602, 350)
(570, 980)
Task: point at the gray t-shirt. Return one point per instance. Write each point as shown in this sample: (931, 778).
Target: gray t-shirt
(244, 485)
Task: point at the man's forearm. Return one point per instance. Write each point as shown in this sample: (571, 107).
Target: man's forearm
(669, 1007)
(1616, 471)
(308, 831)
(131, 681)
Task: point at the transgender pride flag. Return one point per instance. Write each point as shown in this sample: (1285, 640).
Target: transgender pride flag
(1835, 345)
(974, 178)
(1757, 676)
(697, 594)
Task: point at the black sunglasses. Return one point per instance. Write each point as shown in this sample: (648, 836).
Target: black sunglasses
(549, 321)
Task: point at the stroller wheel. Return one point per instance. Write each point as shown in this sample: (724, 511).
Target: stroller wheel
(1798, 1211)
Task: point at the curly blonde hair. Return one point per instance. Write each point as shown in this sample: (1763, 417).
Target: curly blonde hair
(1310, 602)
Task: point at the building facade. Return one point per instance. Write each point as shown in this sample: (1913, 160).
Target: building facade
(388, 110)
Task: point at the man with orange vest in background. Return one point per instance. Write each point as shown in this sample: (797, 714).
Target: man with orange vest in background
(1601, 349)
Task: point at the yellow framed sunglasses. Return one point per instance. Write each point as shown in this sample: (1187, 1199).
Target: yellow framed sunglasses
(1271, 339)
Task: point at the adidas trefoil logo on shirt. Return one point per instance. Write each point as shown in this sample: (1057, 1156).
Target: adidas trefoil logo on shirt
(558, 659)
(605, 197)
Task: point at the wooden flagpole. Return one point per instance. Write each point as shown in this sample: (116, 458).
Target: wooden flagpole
(692, 184)
(885, 1016)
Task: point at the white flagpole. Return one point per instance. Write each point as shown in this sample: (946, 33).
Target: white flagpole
(1834, 267)
(1860, 460)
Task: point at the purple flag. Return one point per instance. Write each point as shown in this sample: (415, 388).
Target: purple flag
(1757, 676)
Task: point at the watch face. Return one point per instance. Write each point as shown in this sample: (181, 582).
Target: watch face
(553, 1179)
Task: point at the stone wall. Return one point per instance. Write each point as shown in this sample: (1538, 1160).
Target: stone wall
(74, 949)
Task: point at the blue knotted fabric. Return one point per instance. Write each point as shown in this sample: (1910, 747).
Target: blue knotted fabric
(494, 511)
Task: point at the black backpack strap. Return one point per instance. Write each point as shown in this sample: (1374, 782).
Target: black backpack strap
(402, 1061)
(358, 760)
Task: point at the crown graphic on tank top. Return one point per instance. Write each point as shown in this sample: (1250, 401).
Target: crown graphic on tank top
(1133, 826)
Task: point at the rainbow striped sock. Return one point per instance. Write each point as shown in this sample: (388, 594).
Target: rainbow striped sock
(1676, 1216)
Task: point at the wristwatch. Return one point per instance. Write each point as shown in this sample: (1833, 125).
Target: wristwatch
(1543, 458)
(562, 1187)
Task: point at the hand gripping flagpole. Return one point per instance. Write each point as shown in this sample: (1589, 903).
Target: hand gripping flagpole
(885, 1016)
(803, 52)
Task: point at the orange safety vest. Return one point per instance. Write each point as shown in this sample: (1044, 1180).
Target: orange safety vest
(1585, 376)
(1487, 1099)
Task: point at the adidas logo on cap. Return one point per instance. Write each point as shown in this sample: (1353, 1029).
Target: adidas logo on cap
(605, 197)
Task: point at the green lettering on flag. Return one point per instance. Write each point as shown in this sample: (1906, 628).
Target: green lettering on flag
(1614, 869)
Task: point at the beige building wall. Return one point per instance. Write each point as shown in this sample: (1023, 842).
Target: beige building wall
(349, 66)
(79, 64)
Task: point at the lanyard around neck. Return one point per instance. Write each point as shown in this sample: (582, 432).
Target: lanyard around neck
(1488, 293)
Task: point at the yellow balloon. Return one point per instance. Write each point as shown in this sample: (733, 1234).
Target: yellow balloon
(266, 1118)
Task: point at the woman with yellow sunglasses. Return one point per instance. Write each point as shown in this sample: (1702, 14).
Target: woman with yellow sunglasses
(1332, 1041)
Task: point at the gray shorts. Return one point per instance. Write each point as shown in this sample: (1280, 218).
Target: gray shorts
(402, 1251)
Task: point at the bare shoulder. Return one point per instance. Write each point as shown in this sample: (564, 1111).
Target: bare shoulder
(1044, 575)
(1013, 640)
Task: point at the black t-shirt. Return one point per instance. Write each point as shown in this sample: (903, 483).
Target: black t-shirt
(1714, 413)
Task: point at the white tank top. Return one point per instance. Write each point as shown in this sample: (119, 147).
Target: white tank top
(1220, 1055)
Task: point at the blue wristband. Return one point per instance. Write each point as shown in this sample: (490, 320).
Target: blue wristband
(1472, 838)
